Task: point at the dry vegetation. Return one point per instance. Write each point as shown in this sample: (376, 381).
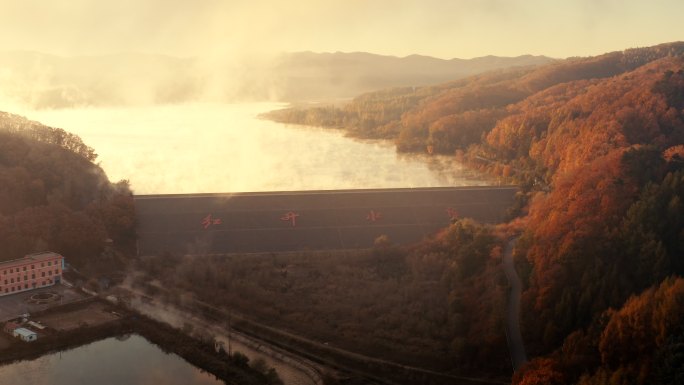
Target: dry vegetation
(438, 306)
(94, 314)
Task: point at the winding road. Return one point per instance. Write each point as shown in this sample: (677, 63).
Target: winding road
(515, 341)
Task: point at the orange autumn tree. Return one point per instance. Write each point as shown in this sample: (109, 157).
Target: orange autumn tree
(597, 150)
(539, 371)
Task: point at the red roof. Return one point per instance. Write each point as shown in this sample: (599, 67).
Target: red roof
(10, 326)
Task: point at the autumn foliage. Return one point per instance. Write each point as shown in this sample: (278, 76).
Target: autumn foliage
(455, 115)
(540, 371)
(608, 226)
(52, 197)
(641, 342)
(596, 145)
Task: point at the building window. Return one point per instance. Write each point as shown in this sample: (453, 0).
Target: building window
(42, 264)
(56, 271)
(33, 276)
(50, 272)
(24, 268)
(26, 278)
(11, 280)
(49, 263)
(33, 266)
(42, 274)
(26, 286)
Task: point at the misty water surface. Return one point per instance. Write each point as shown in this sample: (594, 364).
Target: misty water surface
(133, 361)
(226, 148)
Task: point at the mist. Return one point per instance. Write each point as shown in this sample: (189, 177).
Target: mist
(86, 53)
(221, 30)
(42, 81)
(207, 147)
(176, 86)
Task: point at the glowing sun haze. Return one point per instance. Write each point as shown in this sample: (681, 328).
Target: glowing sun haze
(441, 28)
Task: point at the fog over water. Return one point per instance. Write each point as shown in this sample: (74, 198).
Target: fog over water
(202, 147)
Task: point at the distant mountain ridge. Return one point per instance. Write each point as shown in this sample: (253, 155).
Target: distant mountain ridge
(50, 81)
(307, 75)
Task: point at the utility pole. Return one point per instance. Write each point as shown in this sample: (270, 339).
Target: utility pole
(230, 350)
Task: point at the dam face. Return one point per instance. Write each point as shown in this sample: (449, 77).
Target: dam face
(307, 220)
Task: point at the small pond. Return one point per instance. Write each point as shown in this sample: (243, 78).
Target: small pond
(130, 360)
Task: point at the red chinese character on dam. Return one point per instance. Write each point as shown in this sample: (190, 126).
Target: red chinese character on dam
(453, 214)
(209, 221)
(290, 216)
(373, 216)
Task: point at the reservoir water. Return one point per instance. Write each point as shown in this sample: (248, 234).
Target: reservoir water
(112, 361)
(195, 148)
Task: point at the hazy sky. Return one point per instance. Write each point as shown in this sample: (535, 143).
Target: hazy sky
(442, 28)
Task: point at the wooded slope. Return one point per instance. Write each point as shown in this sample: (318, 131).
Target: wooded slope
(52, 196)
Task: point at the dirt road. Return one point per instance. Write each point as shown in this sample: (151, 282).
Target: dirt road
(515, 341)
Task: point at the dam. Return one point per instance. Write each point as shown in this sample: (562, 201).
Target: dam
(270, 222)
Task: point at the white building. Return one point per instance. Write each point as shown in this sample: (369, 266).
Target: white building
(25, 334)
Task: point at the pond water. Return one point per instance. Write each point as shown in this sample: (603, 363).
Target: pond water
(208, 148)
(112, 361)
(288, 371)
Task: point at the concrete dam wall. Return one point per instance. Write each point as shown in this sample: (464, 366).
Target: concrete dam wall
(307, 220)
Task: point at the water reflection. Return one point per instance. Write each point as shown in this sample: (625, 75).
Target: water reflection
(107, 362)
(225, 148)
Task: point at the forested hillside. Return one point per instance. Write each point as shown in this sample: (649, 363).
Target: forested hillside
(453, 116)
(611, 226)
(52, 196)
(598, 146)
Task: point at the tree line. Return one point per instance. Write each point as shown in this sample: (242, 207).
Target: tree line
(53, 197)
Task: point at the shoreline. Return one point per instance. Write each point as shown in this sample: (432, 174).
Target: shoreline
(201, 354)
